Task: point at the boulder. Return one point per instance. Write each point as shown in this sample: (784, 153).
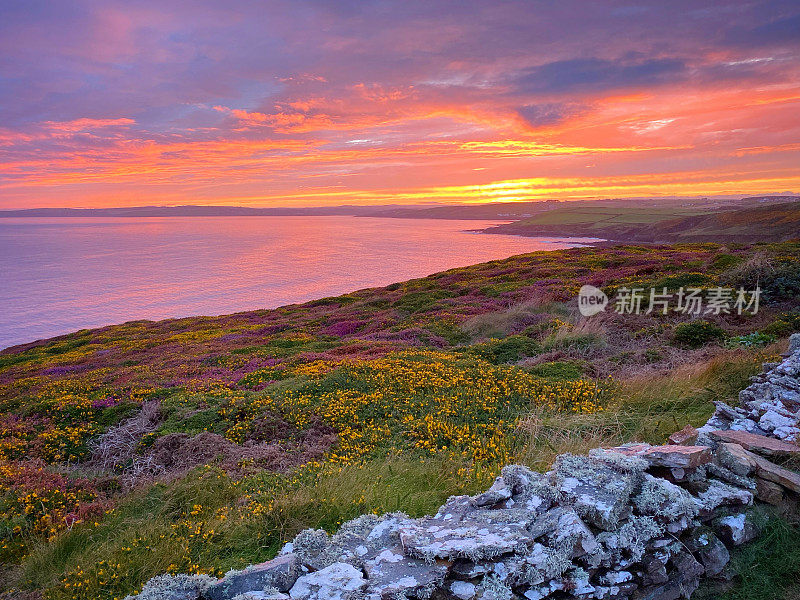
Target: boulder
(279, 573)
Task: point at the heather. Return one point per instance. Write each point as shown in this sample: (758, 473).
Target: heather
(202, 444)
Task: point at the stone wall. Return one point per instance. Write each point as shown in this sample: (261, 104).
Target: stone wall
(633, 522)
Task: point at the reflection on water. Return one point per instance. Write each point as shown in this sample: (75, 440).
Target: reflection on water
(60, 275)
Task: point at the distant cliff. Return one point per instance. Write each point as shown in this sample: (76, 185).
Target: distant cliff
(771, 223)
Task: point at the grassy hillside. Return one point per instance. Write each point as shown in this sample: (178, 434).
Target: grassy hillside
(774, 222)
(202, 444)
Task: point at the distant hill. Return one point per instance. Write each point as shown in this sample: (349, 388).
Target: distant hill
(769, 223)
(486, 211)
(193, 211)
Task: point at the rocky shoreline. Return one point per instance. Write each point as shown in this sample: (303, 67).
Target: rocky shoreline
(635, 522)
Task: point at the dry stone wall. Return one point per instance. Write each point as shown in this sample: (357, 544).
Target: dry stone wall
(636, 522)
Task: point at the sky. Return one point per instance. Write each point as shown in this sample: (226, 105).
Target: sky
(315, 103)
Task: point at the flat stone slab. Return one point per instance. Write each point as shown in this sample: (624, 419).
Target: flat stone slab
(768, 446)
(771, 472)
(672, 456)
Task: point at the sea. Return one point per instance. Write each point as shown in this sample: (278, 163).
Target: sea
(59, 275)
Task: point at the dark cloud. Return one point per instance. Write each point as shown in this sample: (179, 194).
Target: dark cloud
(776, 32)
(594, 74)
(549, 113)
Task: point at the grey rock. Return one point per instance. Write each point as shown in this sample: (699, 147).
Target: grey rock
(729, 476)
(794, 343)
(736, 529)
(279, 573)
(710, 551)
(654, 571)
(470, 536)
(391, 574)
(339, 581)
(174, 587)
(664, 501)
(598, 491)
(463, 590)
(720, 494)
(497, 493)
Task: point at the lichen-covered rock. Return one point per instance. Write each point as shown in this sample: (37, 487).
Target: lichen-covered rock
(494, 588)
(497, 493)
(355, 542)
(339, 581)
(391, 574)
(475, 539)
(573, 536)
(174, 587)
(629, 544)
(737, 529)
(279, 574)
(720, 494)
(309, 544)
(664, 501)
(530, 490)
(268, 594)
(463, 590)
(598, 490)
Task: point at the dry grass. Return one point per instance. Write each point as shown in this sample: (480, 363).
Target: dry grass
(510, 321)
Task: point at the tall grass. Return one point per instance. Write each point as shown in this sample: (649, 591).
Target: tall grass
(646, 409)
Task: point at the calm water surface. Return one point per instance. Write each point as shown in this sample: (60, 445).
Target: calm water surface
(61, 275)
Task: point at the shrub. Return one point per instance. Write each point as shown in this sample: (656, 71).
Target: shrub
(506, 350)
(565, 370)
(696, 334)
(784, 325)
(725, 261)
(673, 282)
(756, 339)
(754, 271)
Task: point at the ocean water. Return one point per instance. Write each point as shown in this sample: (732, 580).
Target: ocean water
(58, 275)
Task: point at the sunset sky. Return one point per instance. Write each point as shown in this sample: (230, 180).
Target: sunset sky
(352, 102)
